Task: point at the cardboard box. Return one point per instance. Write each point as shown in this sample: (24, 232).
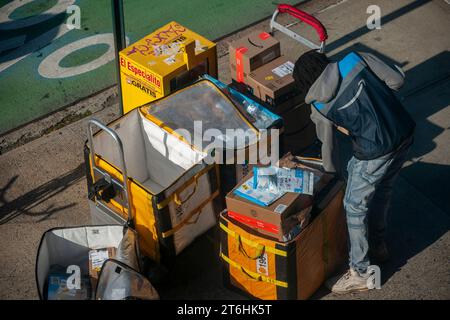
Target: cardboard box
(271, 270)
(294, 111)
(57, 288)
(299, 132)
(163, 61)
(296, 114)
(292, 225)
(273, 82)
(278, 219)
(251, 52)
(275, 220)
(96, 259)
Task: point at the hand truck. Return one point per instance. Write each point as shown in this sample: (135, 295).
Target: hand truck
(303, 17)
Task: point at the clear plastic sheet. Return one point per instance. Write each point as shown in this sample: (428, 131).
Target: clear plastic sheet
(262, 117)
(205, 104)
(118, 281)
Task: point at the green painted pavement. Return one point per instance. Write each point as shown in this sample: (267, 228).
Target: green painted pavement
(36, 84)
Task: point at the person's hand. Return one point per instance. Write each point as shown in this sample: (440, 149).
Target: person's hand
(343, 130)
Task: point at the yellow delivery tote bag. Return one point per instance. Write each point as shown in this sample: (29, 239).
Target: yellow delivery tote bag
(173, 186)
(267, 269)
(232, 129)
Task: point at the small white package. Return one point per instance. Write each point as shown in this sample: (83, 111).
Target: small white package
(281, 180)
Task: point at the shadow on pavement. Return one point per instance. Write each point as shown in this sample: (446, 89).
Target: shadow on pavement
(198, 272)
(385, 19)
(46, 35)
(25, 204)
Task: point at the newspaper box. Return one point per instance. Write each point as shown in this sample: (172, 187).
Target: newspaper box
(163, 61)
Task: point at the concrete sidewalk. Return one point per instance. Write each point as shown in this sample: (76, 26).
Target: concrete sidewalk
(42, 183)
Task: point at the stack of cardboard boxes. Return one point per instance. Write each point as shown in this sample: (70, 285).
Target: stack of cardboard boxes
(276, 220)
(286, 249)
(259, 69)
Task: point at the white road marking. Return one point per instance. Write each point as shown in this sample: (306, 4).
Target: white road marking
(50, 67)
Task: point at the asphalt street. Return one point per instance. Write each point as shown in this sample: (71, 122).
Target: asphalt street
(42, 182)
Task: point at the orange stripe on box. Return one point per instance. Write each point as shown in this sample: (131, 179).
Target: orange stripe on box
(239, 64)
(255, 223)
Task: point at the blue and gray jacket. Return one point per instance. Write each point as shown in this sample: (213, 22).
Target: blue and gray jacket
(356, 94)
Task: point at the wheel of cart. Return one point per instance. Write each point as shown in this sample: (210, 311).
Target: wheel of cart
(99, 262)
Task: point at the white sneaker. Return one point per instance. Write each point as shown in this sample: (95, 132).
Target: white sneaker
(351, 281)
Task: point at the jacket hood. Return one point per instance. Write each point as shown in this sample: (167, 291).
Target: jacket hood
(325, 87)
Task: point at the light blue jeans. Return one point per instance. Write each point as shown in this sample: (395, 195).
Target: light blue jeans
(367, 199)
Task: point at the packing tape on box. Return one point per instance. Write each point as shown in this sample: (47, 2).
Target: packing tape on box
(239, 64)
(175, 196)
(253, 275)
(251, 243)
(185, 221)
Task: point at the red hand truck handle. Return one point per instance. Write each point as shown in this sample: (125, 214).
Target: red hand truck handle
(305, 17)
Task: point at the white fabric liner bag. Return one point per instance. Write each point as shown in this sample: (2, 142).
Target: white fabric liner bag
(71, 246)
(161, 162)
(153, 157)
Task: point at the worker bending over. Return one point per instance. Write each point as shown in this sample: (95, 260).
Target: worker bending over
(355, 95)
